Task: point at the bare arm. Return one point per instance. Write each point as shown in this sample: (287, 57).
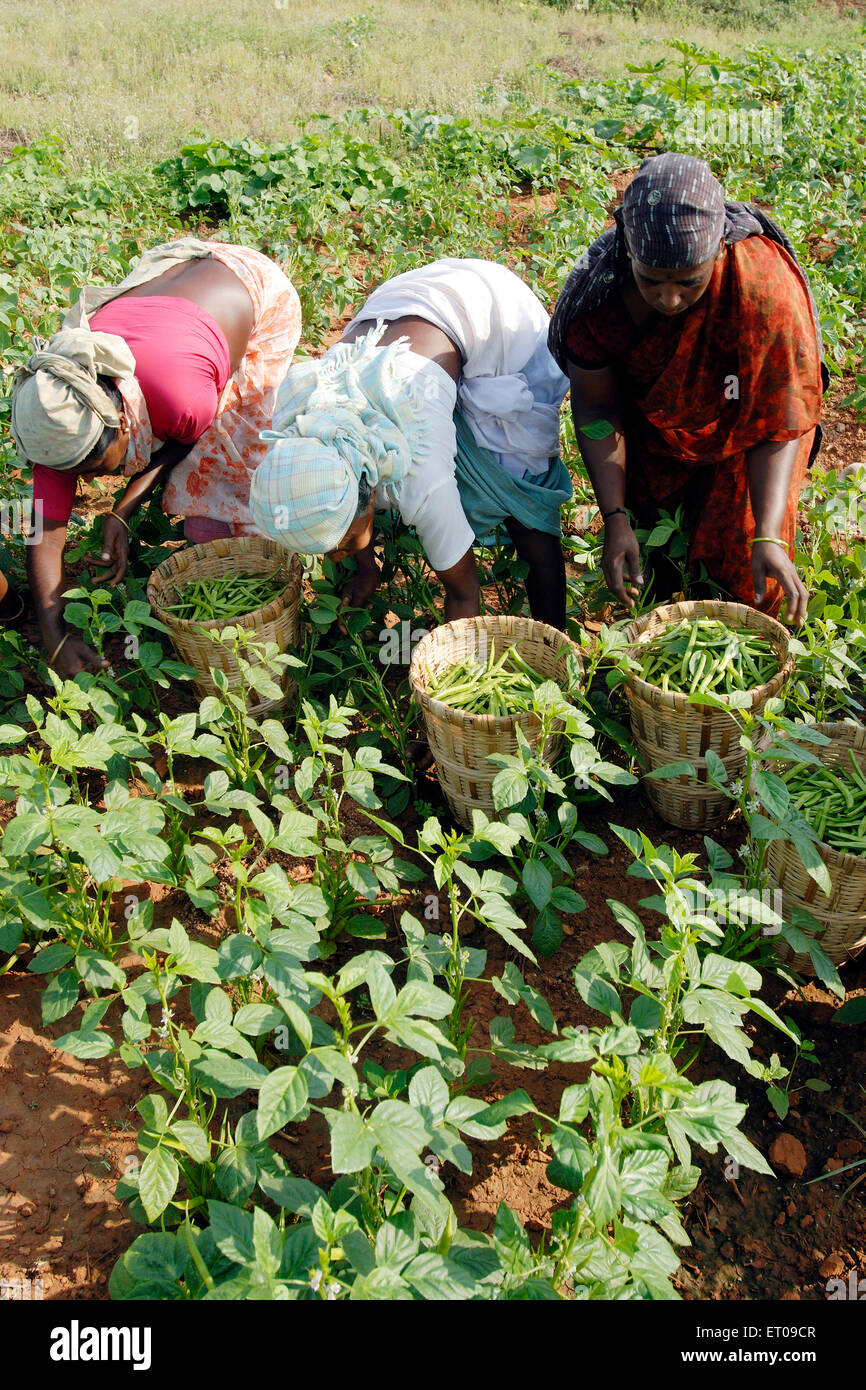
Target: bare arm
(594, 397)
(460, 582)
(115, 535)
(141, 486)
(462, 594)
(771, 467)
(47, 581)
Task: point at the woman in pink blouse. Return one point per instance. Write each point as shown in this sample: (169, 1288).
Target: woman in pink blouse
(168, 377)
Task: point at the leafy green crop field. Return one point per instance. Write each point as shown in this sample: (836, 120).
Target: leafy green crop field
(275, 928)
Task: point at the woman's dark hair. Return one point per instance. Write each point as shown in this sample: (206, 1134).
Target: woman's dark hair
(364, 495)
(109, 434)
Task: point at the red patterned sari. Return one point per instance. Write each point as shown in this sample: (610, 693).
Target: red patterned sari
(739, 369)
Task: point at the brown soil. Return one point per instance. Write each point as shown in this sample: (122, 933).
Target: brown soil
(67, 1127)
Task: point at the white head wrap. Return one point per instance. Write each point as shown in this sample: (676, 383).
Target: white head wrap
(59, 410)
(348, 413)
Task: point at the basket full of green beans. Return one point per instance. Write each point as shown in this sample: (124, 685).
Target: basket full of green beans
(681, 653)
(474, 680)
(832, 799)
(241, 581)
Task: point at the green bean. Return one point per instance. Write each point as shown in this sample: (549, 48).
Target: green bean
(226, 596)
(490, 688)
(697, 656)
(832, 801)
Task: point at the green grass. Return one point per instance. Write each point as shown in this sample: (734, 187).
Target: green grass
(125, 85)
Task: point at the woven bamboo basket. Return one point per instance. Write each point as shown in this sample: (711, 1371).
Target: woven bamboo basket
(460, 742)
(842, 913)
(668, 728)
(278, 621)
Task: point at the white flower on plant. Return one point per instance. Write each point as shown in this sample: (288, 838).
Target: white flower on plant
(464, 956)
(162, 1030)
(316, 1280)
(743, 850)
(331, 1291)
(446, 937)
(753, 805)
(737, 787)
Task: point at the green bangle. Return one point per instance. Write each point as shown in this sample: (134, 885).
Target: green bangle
(771, 540)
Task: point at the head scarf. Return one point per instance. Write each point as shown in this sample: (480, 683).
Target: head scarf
(672, 218)
(673, 212)
(59, 410)
(346, 414)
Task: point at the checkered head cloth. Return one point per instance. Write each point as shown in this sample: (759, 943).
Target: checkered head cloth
(673, 212)
(347, 414)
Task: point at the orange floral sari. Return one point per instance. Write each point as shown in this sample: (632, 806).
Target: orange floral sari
(741, 369)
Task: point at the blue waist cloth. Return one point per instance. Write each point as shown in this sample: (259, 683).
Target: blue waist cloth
(489, 494)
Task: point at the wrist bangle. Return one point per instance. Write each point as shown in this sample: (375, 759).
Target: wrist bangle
(57, 649)
(769, 540)
(614, 512)
(121, 520)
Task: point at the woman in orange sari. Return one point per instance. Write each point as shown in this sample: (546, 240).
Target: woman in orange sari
(690, 328)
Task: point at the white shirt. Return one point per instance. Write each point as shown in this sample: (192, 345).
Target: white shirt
(510, 388)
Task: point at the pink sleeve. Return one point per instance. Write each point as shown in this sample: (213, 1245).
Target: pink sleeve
(55, 491)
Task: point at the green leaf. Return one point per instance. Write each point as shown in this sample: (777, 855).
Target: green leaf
(52, 957)
(193, 1138)
(363, 880)
(779, 1100)
(228, 1076)
(282, 1096)
(157, 1181)
(86, 1044)
(772, 791)
(509, 788)
(25, 833)
(232, 1231)
(572, 1160)
(744, 1151)
(601, 429)
(852, 1012)
(59, 996)
(257, 1019)
(566, 900)
(669, 771)
(604, 1193)
(547, 933)
(352, 1143)
(538, 882)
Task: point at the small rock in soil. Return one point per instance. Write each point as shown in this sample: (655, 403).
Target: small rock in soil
(780, 1219)
(848, 1148)
(807, 1221)
(833, 1165)
(787, 1155)
(833, 1266)
(791, 1209)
